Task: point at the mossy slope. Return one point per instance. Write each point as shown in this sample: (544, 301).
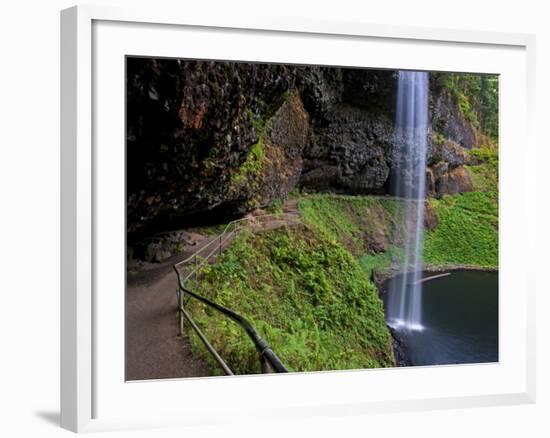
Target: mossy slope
(305, 293)
(467, 231)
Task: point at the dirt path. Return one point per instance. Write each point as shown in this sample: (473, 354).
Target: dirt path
(153, 348)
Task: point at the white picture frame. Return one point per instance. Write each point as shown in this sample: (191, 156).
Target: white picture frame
(87, 388)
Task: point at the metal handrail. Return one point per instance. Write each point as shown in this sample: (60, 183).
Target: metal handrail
(270, 362)
(220, 240)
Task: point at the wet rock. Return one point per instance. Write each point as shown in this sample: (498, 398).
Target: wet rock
(441, 180)
(430, 182)
(352, 130)
(441, 149)
(459, 181)
(191, 125)
(165, 245)
(209, 139)
(448, 121)
(376, 241)
(351, 153)
(400, 350)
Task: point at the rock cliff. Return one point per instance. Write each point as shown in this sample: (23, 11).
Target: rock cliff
(210, 140)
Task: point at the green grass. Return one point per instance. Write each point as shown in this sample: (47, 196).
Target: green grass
(275, 207)
(349, 219)
(467, 232)
(307, 289)
(252, 167)
(381, 262)
(484, 175)
(306, 295)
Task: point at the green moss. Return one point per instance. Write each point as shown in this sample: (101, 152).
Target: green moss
(382, 262)
(466, 234)
(305, 293)
(276, 206)
(467, 231)
(252, 167)
(476, 96)
(256, 121)
(466, 108)
(484, 155)
(484, 179)
(308, 291)
(249, 173)
(438, 138)
(349, 219)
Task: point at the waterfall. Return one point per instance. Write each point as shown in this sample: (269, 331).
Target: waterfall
(409, 183)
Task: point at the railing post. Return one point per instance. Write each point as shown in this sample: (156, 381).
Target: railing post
(220, 244)
(180, 304)
(196, 268)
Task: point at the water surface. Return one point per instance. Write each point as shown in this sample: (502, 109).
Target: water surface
(459, 320)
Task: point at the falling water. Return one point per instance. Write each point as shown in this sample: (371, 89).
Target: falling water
(409, 183)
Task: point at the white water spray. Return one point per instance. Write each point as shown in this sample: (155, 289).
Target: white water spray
(409, 183)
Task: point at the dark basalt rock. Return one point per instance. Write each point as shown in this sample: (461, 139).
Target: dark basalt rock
(376, 241)
(352, 153)
(209, 140)
(442, 149)
(352, 130)
(400, 350)
(278, 169)
(190, 126)
(448, 121)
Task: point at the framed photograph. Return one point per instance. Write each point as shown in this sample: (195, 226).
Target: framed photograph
(291, 218)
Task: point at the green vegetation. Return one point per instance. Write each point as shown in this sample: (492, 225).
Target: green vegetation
(484, 179)
(466, 108)
(308, 289)
(467, 231)
(275, 207)
(305, 293)
(252, 166)
(466, 234)
(258, 122)
(381, 263)
(350, 219)
(476, 96)
(250, 172)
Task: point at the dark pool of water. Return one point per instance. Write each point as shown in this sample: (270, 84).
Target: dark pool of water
(459, 318)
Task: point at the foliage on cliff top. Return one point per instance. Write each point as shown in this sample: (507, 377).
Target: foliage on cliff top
(305, 294)
(476, 96)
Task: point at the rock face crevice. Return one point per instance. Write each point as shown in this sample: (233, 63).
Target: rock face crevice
(208, 139)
